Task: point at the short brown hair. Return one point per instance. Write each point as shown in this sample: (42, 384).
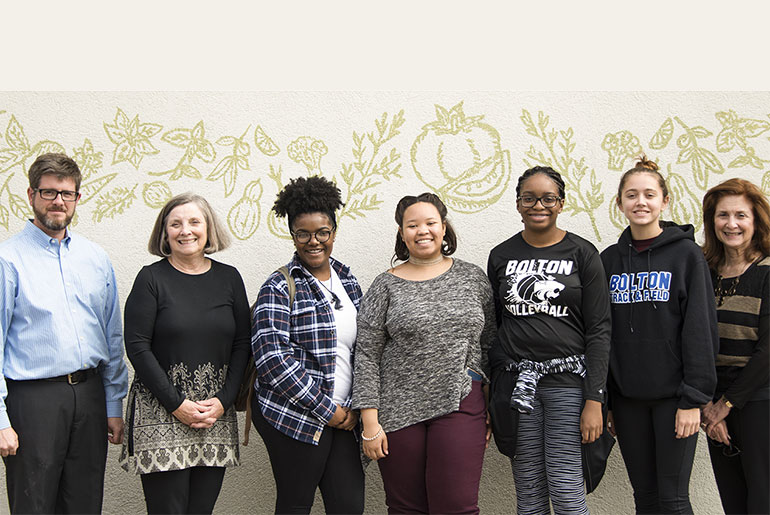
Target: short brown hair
(448, 246)
(713, 249)
(54, 164)
(216, 237)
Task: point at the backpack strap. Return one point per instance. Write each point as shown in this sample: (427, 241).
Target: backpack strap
(290, 283)
(251, 368)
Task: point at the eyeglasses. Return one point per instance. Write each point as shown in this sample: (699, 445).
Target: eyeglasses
(727, 450)
(66, 195)
(546, 201)
(321, 236)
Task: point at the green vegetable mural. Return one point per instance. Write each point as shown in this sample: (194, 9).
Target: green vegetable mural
(461, 154)
(556, 149)
(692, 165)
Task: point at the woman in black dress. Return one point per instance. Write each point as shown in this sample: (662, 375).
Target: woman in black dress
(187, 329)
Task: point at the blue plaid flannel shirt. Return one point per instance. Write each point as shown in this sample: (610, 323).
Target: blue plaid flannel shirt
(295, 351)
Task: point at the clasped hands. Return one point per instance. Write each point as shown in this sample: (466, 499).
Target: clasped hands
(344, 418)
(713, 421)
(199, 414)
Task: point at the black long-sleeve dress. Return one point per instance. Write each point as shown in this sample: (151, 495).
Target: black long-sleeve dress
(188, 337)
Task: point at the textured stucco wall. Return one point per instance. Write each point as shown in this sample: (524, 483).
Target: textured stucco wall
(237, 148)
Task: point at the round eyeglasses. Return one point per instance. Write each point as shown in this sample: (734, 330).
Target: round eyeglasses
(321, 236)
(546, 200)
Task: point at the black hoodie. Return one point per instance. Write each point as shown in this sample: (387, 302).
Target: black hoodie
(664, 324)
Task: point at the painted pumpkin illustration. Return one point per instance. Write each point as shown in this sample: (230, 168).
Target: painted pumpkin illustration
(461, 159)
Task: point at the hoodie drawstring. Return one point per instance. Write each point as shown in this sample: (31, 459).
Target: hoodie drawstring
(649, 270)
(630, 297)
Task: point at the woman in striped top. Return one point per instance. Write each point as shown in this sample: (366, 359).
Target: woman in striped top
(736, 217)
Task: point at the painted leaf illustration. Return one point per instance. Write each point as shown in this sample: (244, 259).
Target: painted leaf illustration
(371, 164)
(227, 170)
(15, 137)
(740, 162)
(701, 132)
(704, 162)
(125, 152)
(184, 170)
(663, 135)
(752, 128)
(686, 155)
(726, 140)
(148, 130)
(114, 202)
(359, 207)
(87, 159)
(45, 147)
(9, 158)
(91, 188)
(206, 151)
(765, 185)
(19, 207)
(529, 125)
(177, 137)
(727, 118)
(4, 216)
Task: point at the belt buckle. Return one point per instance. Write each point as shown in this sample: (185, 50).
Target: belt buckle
(70, 380)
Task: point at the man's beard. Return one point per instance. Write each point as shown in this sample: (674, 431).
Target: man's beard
(50, 223)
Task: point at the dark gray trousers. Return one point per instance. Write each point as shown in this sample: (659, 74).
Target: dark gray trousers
(62, 429)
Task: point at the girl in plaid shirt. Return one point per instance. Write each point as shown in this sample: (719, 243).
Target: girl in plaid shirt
(303, 352)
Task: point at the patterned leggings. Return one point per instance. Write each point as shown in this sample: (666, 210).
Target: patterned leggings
(548, 463)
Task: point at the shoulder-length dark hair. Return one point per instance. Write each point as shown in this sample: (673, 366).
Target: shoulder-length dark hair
(713, 249)
(448, 246)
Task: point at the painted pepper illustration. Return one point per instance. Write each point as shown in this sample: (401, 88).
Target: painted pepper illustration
(243, 217)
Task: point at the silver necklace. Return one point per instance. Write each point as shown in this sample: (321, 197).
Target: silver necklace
(335, 299)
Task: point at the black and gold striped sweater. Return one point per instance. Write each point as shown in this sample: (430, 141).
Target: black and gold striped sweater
(743, 362)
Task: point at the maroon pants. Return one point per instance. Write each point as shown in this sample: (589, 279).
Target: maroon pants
(435, 466)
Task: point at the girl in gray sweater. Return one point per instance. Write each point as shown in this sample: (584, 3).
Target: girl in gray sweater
(421, 358)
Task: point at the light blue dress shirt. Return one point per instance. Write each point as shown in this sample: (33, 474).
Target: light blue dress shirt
(59, 313)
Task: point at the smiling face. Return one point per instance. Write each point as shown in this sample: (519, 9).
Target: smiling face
(734, 222)
(186, 231)
(52, 216)
(642, 202)
(538, 218)
(314, 254)
(423, 230)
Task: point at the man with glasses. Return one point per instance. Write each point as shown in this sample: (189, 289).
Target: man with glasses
(63, 378)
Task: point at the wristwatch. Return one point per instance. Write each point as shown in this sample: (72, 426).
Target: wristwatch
(727, 403)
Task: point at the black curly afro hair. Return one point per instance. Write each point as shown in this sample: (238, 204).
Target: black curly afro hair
(308, 195)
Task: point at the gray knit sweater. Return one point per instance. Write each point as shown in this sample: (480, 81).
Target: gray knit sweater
(415, 341)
